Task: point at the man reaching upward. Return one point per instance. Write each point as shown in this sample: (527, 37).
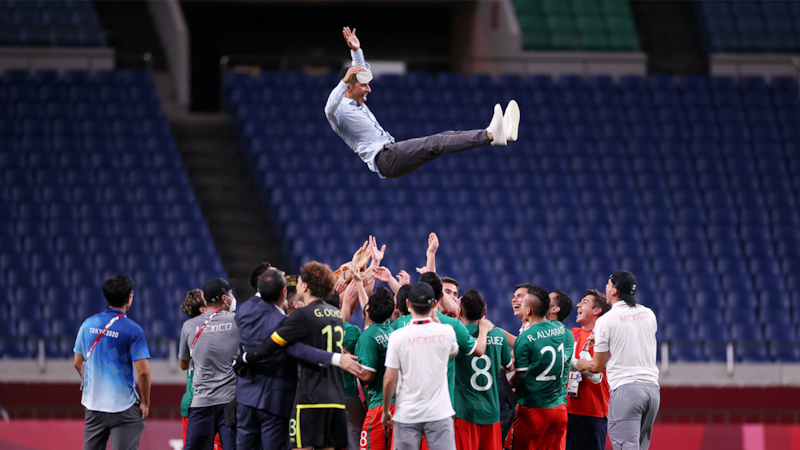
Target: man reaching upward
(352, 120)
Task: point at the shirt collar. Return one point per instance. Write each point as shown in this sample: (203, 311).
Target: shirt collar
(258, 294)
(111, 308)
(279, 309)
(422, 321)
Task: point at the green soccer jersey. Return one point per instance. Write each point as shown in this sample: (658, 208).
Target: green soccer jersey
(186, 401)
(371, 353)
(544, 351)
(466, 345)
(351, 334)
(477, 399)
(400, 322)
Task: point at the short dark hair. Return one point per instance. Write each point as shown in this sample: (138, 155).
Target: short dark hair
(319, 279)
(421, 309)
(565, 304)
(402, 296)
(193, 302)
(270, 285)
(343, 73)
(381, 304)
(540, 293)
(473, 304)
(261, 268)
(117, 289)
(600, 300)
(334, 299)
(436, 283)
(451, 281)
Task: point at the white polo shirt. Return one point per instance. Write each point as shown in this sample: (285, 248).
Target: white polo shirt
(420, 352)
(629, 335)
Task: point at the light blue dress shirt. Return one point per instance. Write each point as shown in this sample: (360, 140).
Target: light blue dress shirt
(355, 124)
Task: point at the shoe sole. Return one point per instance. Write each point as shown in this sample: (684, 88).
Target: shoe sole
(513, 110)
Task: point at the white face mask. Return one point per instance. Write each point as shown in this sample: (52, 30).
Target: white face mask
(232, 307)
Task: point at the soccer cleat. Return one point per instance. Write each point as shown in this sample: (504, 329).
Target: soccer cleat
(511, 121)
(496, 126)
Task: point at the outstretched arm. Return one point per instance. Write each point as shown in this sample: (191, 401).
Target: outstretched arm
(355, 46)
(430, 254)
(338, 92)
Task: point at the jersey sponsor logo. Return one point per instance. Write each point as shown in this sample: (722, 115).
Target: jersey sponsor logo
(213, 328)
(328, 313)
(542, 334)
(109, 333)
(426, 340)
(633, 317)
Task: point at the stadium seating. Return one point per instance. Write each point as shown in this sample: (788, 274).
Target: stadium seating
(589, 25)
(91, 184)
(690, 183)
(749, 26)
(63, 23)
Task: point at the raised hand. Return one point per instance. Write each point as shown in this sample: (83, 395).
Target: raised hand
(382, 274)
(351, 72)
(361, 257)
(403, 278)
(351, 39)
(377, 255)
(433, 243)
(340, 286)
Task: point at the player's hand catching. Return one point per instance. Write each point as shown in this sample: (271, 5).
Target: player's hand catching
(340, 286)
(386, 419)
(351, 39)
(433, 244)
(349, 364)
(145, 409)
(403, 278)
(377, 255)
(382, 274)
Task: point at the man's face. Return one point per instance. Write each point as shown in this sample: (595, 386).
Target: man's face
(451, 290)
(358, 91)
(585, 310)
(516, 301)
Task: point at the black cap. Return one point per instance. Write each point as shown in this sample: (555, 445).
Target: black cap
(625, 283)
(421, 294)
(215, 288)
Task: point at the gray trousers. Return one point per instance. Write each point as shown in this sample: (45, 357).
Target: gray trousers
(125, 429)
(401, 158)
(439, 434)
(632, 410)
(355, 420)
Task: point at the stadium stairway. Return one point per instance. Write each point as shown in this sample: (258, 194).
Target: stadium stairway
(668, 34)
(130, 30)
(227, 195)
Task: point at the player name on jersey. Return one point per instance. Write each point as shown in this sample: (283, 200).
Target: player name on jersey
(544, 334)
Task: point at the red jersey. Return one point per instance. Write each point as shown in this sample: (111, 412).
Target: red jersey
(592, 399)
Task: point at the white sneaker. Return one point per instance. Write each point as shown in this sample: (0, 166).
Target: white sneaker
(496, 126)
(511, 121)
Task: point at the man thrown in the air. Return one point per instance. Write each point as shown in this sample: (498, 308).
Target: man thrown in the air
(352, 120)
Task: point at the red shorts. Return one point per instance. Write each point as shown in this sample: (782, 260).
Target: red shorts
(538, 428)
(217, 442)
(472, 436)
(373, 435)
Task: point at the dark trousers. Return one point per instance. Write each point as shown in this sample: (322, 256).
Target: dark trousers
(125, 429)
(258, 429)
(507, 417)
(204, 424)
(586, 432)
(401, 158)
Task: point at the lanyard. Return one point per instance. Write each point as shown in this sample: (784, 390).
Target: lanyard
(203, 327)
(421, 321)
(102, 333)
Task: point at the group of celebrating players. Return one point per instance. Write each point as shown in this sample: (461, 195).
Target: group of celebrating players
(456, 383)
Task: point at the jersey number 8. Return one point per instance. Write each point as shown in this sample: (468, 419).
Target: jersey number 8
(329, 332)
(473, 380)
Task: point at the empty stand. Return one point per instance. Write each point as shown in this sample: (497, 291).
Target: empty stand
(70, 23)
(91, 184)
(749, 26)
